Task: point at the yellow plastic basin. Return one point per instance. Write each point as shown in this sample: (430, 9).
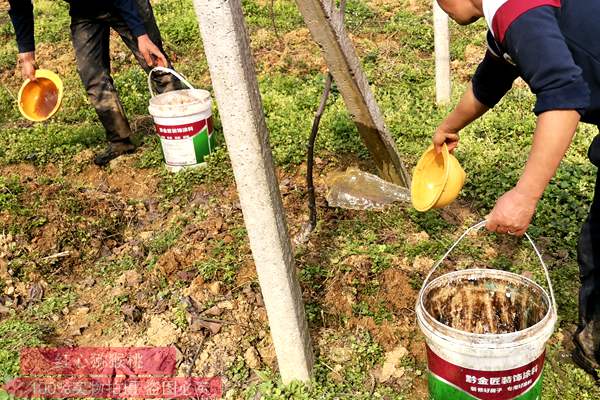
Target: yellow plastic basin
(40, 99)
(437, 180)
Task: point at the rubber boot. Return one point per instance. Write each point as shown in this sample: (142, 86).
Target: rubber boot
(114, 150)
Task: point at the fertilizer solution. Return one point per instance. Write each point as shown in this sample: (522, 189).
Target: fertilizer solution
(486, 332)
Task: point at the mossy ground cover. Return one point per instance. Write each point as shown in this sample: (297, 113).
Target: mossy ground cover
(359, 271)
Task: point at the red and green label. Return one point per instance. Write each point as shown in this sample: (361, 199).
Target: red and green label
(186, 144)
(451, 382)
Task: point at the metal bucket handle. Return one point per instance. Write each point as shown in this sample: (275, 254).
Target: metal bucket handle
(169, 71)
(476, 227)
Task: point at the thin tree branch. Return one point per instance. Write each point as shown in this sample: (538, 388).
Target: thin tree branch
(312, 204)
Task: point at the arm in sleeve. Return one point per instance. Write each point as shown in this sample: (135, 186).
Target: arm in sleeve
(129, 11)
(21, 15)
(536, 44)
(494, 76)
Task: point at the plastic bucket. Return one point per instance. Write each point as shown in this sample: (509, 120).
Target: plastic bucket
(466, 366)
(183, 120)
(40, 99)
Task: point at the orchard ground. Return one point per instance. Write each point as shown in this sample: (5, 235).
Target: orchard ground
(134, 255)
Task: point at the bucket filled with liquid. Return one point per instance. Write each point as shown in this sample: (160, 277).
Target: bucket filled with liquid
(183, 120)
(486, 332)
(40, 99)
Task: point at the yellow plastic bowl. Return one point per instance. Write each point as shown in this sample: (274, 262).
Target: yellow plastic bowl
(437, 180)
(40, 99)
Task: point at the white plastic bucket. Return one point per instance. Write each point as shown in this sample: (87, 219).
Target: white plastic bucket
(466, 366)
(183, 120)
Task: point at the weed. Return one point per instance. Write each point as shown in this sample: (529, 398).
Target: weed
(378, 312)
(222, 263)
(181, 184)
(178, 24)
(164, 240)
(10, 188)
(313, 311)
(258, 15)
(313, 275)
(109, 270)
(14, 335)
(133, 89)
(179, 317)
(238, 372)
(46, 143)
(56, 300)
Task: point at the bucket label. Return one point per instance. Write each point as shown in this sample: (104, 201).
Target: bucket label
(186, 144)
(451, 382)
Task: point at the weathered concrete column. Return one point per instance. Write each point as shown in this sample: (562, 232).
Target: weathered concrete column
(326, 26)
(442, 55)
(232, 72)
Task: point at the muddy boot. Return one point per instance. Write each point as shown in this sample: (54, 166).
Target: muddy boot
(585, 354)
(114, 150)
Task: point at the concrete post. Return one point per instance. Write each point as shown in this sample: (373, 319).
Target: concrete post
(442, 55)
(232, 72)
(326, 26)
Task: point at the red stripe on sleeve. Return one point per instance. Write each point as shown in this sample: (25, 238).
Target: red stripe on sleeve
(513, 9)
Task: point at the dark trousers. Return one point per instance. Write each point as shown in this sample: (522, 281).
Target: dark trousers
(588, 334)
(91, 40)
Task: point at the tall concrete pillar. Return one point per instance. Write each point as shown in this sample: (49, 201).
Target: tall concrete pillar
(233, 76)
(442, 55)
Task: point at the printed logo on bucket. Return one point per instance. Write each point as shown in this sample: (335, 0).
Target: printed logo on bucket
(451, 382)
(174, 132)
(186, 144)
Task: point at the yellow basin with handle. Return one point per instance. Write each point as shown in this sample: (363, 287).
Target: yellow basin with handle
(40, 99)
(437, 179)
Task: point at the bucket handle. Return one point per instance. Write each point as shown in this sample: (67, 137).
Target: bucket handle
(478, 226)
(169, 71)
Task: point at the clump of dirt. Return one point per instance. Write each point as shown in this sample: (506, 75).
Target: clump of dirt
(486, 305)
(396, 290)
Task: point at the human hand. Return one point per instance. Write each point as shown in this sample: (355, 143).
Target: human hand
(150, 52)
(28, 65)
(443, 135)
(512, 213)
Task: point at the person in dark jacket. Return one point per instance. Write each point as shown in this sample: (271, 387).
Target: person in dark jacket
(91, 22)
(553, 46)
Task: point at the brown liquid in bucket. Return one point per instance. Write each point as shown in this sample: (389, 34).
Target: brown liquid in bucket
(48, 98)
(485, 305)
(39, 98)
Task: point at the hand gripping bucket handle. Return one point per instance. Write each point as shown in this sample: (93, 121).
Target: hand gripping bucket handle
(474, 228)
(169, 71)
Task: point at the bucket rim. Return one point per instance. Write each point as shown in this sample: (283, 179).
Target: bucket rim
(427, 320)
(204, 92)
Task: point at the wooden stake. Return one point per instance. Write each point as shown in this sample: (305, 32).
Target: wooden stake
(327, 29)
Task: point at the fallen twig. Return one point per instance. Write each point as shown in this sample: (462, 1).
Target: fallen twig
(272, 14)
(57, 255)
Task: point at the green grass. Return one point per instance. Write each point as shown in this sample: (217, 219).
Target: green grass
(14, 335)
(222, 262)
(42, 144)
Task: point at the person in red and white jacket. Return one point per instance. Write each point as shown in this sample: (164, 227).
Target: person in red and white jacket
(554, 46)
